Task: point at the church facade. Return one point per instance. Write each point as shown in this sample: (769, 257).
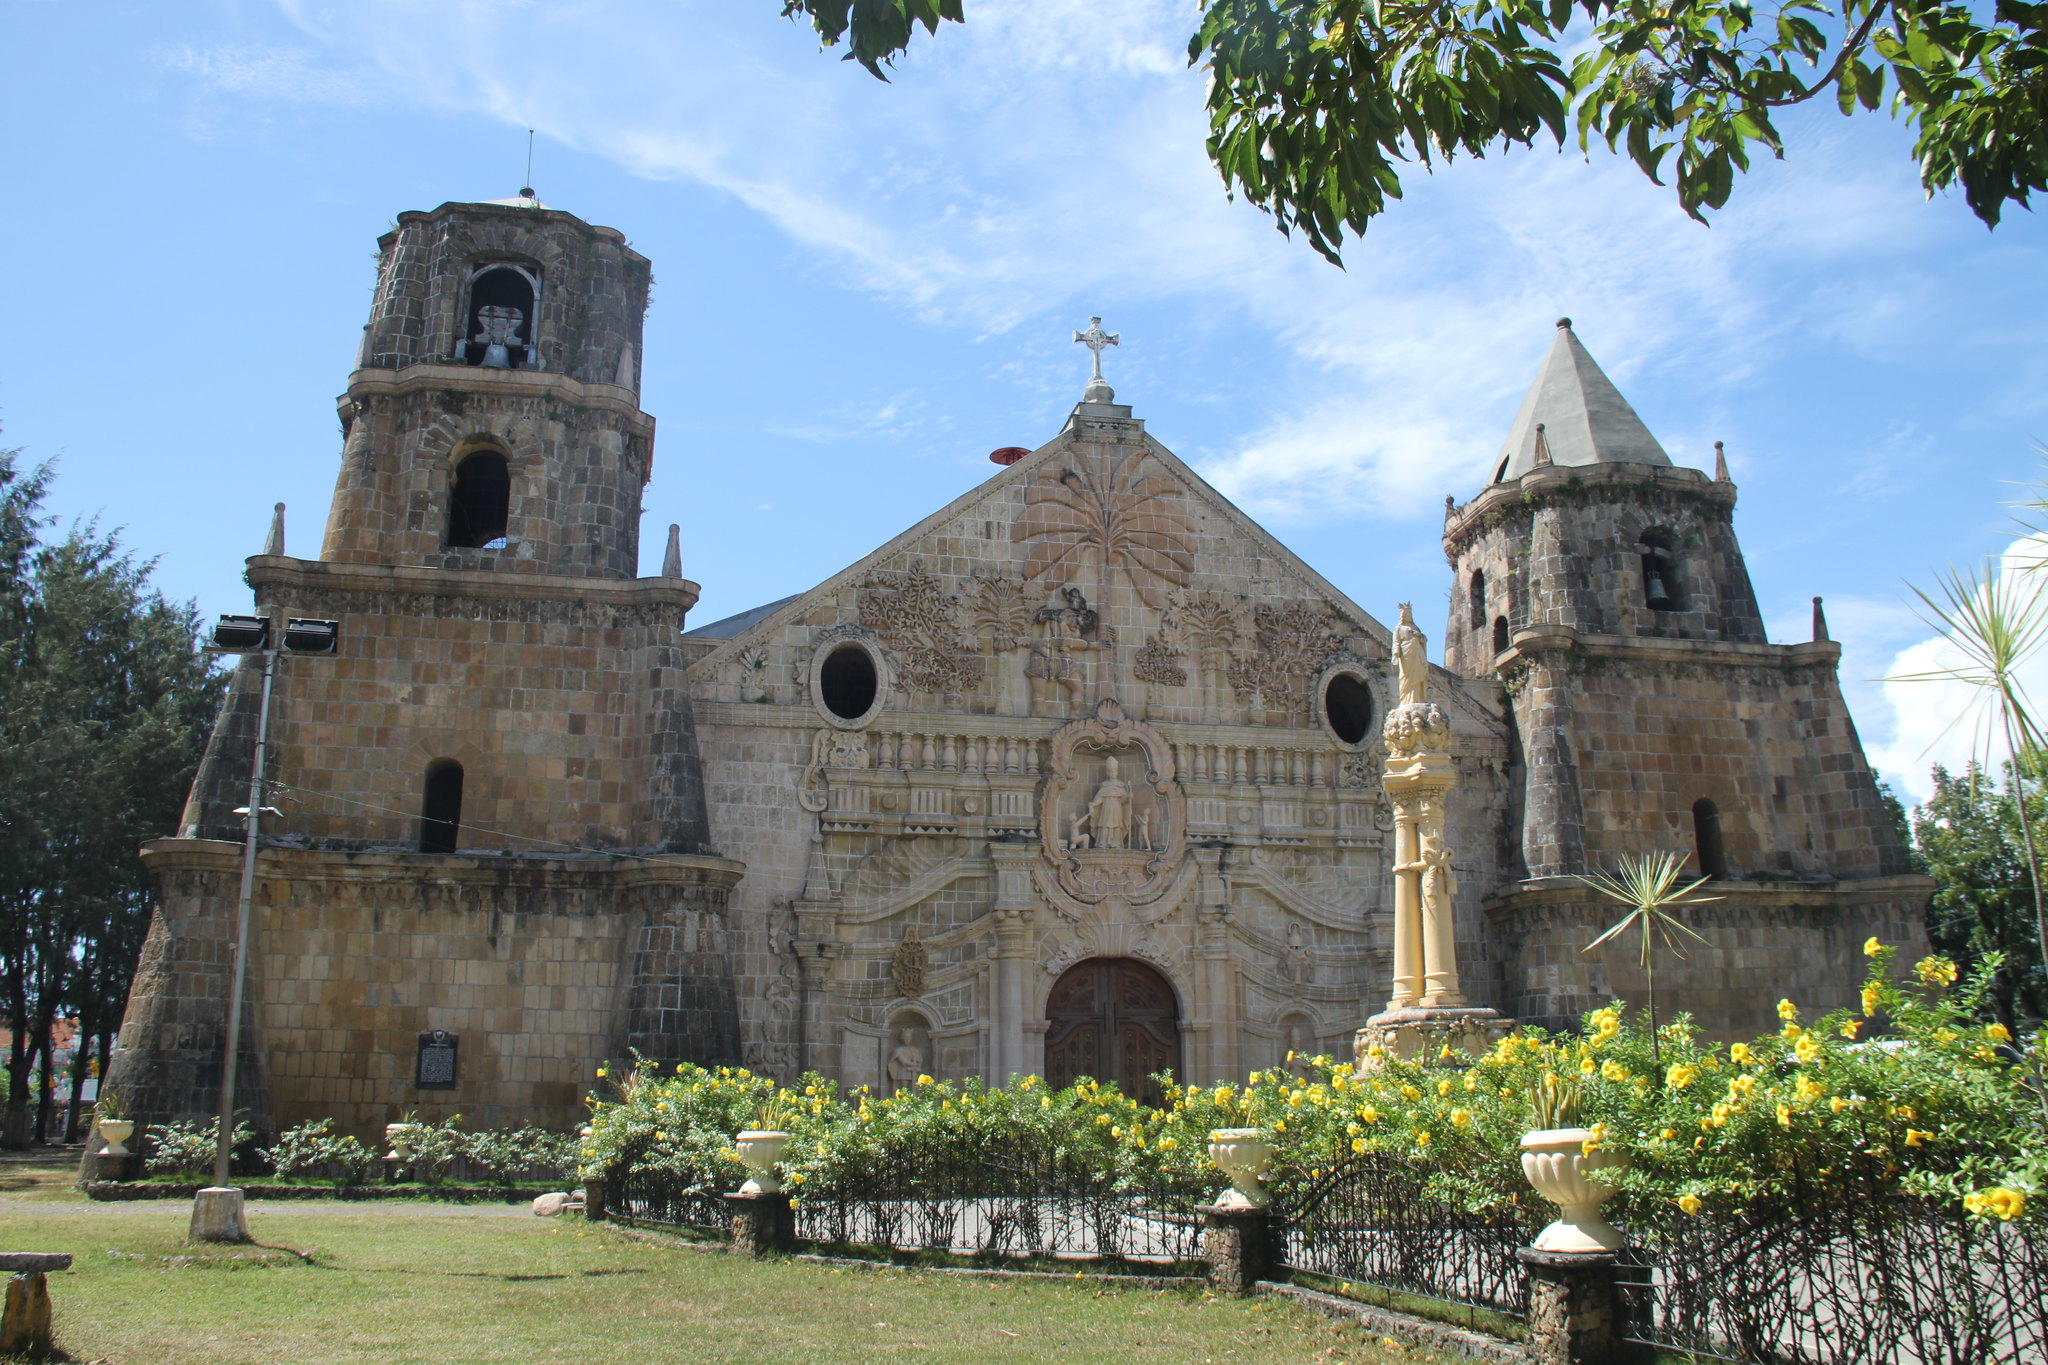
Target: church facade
(1083, 774)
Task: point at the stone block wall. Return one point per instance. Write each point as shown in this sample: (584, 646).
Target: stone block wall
(543, 968)
(1765, 942)
(593, 294)
(564, 701)
(579, 455)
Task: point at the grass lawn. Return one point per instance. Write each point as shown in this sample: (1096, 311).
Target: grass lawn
(335, 1282)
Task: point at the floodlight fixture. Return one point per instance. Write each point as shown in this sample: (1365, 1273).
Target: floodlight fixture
(307, 635)
(242, 634)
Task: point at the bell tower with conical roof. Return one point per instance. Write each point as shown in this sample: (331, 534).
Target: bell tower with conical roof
(1603, 587)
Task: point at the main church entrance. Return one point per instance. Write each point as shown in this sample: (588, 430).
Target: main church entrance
(1113, 1019)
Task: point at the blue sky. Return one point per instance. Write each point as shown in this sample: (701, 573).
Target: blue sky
(862, 288)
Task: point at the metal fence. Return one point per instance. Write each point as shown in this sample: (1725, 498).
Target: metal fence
(997, 1199)
(1887, 1280)
(1005, 1199)
(1372, 1221)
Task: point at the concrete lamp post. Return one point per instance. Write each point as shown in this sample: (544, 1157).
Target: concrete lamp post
(217, 1211)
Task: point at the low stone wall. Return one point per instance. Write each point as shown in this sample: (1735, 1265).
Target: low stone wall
(118, 1191)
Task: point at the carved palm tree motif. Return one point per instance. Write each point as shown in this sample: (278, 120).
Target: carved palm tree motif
(1131, 519)
(999, 611)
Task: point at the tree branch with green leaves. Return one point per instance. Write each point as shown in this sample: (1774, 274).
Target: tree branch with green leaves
(1316, 106)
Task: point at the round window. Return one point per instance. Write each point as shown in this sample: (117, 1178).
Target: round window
(1347, 706)
(847, 682)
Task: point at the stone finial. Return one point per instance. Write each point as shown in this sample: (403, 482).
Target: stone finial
(1450, 506)
(1543, 459)
(1565, 324)
(1820, 621)
(1721, 464)
(672, 558)
(273, 544)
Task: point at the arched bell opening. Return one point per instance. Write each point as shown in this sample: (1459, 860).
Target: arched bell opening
(480, 501)
(499, 320)
(1115, 1019)
(1663, 583)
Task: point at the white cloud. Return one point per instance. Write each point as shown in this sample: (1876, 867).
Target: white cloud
(1947, 722)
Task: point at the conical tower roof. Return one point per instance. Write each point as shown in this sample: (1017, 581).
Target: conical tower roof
(1583, 417)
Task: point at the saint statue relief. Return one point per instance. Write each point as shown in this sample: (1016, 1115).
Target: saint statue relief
(906, 1063)
(1411, 654)
(1109, 813)
(1054, 672)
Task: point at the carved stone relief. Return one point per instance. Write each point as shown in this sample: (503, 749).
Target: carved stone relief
(1112, 817)
(918, 623)
(1157, 662)
(907, 969)
(1289, 646)
(1068, 635)
(1126, 517)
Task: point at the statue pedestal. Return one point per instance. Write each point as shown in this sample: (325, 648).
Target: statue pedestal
(1422, 1032)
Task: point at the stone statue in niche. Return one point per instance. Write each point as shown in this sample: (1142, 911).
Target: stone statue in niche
(1055, 666)
(1109, 813)
(1411, 653)
(907, 1062)
(911, 962)
(1300, 967)
(1298, 1058)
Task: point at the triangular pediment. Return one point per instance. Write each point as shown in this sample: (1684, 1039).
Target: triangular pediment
(1099, 564)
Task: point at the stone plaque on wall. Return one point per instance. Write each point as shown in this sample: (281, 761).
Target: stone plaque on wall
(435, 1069)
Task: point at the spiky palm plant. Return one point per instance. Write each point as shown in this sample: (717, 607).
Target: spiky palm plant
(1998, 621)
(1648, 885)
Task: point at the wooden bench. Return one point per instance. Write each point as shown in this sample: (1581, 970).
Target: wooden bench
(25, 1324)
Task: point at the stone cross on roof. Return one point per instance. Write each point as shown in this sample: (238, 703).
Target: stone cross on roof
(1095, 339)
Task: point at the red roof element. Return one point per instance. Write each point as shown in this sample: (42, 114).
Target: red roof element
(1008, 454)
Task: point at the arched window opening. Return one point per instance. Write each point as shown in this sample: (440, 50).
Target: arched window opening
(847, 682)
(499, 335)
(1478, 599)
(480, 501)
(1706, 834)
(1347, 705)
(1500, 634)
(1662, 590)
(1500, 475)
(441, 807)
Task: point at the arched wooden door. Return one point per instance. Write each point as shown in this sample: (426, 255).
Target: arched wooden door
(1113, 1019)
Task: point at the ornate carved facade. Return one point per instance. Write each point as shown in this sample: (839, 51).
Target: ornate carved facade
(1087, 774)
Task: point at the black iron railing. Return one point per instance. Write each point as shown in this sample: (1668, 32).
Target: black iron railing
(1373, 1221)
(1888, 1280)
(1004, 1199)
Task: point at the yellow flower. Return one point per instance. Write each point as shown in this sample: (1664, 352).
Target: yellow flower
(1358, 1145)
(1871, 1000)
(1916, 1137)
(1996, 1202)
(1613, 1070)
(924, 1080)
(1102, 1120)
(1167, 1144)
(1850, 1027)
(1369, 1114)
(1998, 1033)
(1045, 1101)
(1443, 1087)
(1785, 1116)
(1808, 1049)
(1838, 1104)
(1461, 1118)
(1904, 1111)
(1808, 1090)
(1741, 1055)
(1422, 1139)
(602, 1073)
(1680, 1076)
(1689, 1202)
(1742, 1085)
(1409, 1092)
(1279, 1125)
(1936, 971)
(1787, 1011)
(1595, 1135)
(1871, 947)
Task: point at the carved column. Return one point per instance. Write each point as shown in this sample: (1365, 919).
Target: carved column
(1014, 903)
(1439, 921)
(1407, 909)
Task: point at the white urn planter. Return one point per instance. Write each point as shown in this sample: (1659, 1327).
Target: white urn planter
(759, 1150)
(400, 1136)
(1244, 1156)
(115, 1133)
(1557, 1164)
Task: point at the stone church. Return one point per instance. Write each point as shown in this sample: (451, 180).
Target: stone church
(1082, 774)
